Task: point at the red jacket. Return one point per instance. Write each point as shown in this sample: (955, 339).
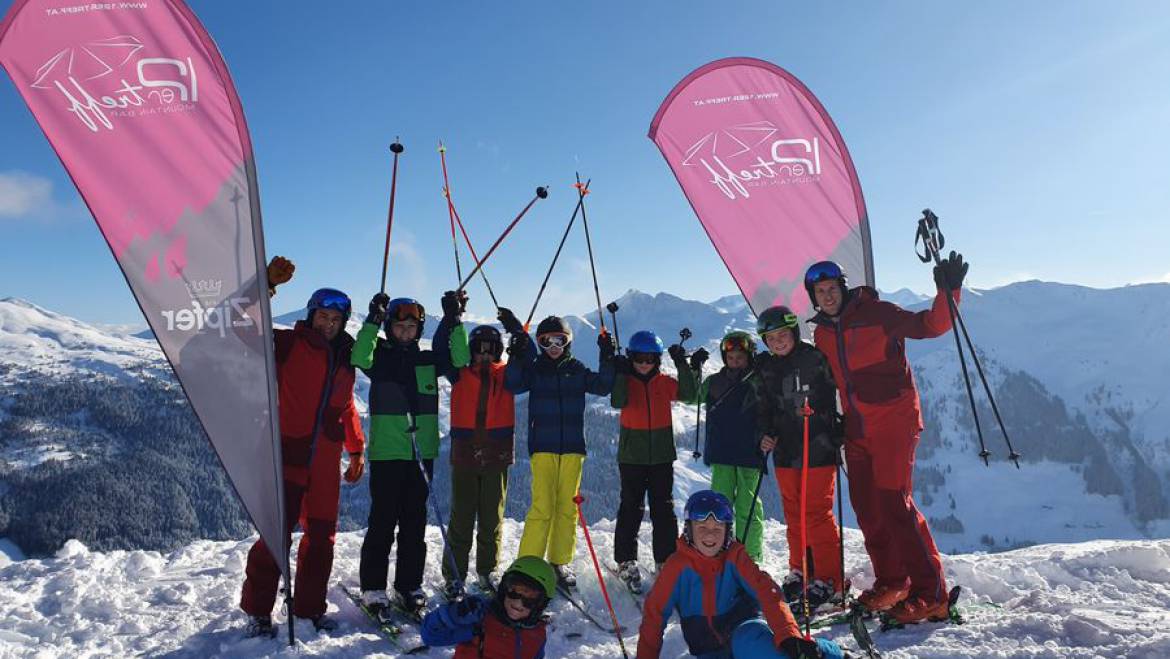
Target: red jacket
(500, 641)
(866, 348)
(712, 596)
(315, 384)
(482, 418)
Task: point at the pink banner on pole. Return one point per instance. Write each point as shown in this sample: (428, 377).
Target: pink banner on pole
(769, 176)
(137, 102)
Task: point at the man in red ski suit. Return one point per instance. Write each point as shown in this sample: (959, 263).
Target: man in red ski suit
(317, 419)
(864, 340)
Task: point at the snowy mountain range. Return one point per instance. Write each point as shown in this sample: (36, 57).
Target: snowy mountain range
(1081, 395)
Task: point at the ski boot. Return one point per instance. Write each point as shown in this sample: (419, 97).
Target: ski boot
(412, 605)
(378, 603)
(629, 573)
(881, 598)
(913, 610)
(821, 594)
(565, 577)
(258, 626)
(792, 587)
(485, 584)
(323, 623)
(453, 592)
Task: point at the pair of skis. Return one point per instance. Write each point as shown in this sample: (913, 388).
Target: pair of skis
(856, 617)
(394, 631)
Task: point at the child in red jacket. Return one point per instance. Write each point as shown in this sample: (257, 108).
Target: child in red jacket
(509, 626)
(718, 592)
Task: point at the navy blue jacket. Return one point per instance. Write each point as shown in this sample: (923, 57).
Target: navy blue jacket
(731, 423)
(556, 397)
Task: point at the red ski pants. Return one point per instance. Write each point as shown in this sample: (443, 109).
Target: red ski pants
(897, 538)
(311, 493)
(823, 536)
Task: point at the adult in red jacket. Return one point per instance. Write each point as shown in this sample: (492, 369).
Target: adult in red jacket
(317, 419)
(864, 340)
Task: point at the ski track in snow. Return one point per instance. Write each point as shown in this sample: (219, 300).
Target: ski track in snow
(1095, 599)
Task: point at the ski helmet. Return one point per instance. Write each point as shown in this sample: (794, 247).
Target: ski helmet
(329, 298)
(777, 318)
(535, 573)
(824, 271)
(704, 504)
(741, 341)
(404, 308)
(554, 325)
(645, 342)
(486, 335)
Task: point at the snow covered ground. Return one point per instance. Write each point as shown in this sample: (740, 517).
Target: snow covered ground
(1095, 599)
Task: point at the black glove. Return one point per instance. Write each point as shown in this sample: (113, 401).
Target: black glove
(678, 355)
(606, 347)
(468, 611)
(698, 358)
(453, 303)
(510, 322)
(518, 346)
(798, 648)
(378, 308)
(622, 365)
(950, 272)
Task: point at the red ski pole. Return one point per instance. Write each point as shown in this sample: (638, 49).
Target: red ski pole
(617, 628)
(806, 412)
(541, 193)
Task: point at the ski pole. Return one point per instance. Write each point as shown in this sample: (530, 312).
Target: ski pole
(617, 628)
(933, 241)
(806, 412)
(698, 373)
(450, 210)
(755, 497)
(470, 248)
(434, 506)
(541, 193)
(581, 192)
(612, 307)
(396, 149)
(841, 532)
(288, 609)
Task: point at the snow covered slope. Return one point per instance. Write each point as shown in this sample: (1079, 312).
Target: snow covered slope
(1097, 599)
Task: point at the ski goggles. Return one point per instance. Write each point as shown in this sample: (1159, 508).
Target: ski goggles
(330, 298)
(486, 347)
(530, 603)
(705, 507)
(740, 343)
(645, 358)
(822, 271)
(407, 311)
(553, 340)
(787, 322)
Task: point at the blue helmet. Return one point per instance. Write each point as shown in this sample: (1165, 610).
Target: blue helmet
(329, 298)
(824, 271)
(645, 342)
(704, 504)
(404, 308)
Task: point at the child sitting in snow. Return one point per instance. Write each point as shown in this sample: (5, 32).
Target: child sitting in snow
(718, 593)
(508, 626)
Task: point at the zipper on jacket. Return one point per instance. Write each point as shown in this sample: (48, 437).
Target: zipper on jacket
(326, 390)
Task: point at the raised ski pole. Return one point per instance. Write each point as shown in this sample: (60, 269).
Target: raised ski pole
(413, 429)
(541, 193)
(933, 242)
(396, 149)
(806, 549)
(450, 210)
(612, 307)
(617, 628)
(456, 220)
(581, 192)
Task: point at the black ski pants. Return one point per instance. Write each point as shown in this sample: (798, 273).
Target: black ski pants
(398, 501)
(640, 482)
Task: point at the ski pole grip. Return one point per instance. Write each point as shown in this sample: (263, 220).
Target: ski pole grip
(578, 499)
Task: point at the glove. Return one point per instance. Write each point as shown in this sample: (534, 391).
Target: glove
(378, 308)
(606, 347)
(949, 273)
(678, 355)
(622, 365)
(453, 303)
(280, 270)
(698, 358)
(469, 611)
(518, 346)
(798, 648)
(510, 322)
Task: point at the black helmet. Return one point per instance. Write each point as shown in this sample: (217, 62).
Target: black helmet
(552, 325)
(824, 271)
(486, 335)
(776, 318)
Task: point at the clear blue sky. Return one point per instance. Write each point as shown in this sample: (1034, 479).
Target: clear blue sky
(1038, 131)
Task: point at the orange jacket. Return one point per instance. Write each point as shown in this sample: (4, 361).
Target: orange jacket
(713, 596)
(482, 418)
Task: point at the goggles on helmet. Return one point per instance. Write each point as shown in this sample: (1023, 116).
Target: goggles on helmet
(407, 311)
(530, 603)
(329, 298)
(645, 358)
(787, 322)
(740, 343)
(553, 340)
(701, 508)
(487, 347)
(822, 271)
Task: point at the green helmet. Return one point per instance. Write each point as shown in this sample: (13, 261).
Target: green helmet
(776, 318)
(535, 569)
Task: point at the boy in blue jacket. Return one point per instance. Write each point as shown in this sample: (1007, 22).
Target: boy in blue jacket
(718, 592)
(556, 383)
(509, 626)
